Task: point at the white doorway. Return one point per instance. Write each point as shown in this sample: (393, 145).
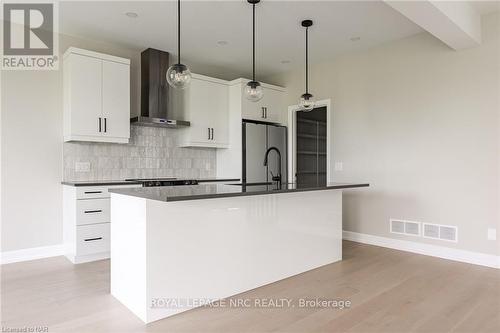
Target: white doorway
(292, 139)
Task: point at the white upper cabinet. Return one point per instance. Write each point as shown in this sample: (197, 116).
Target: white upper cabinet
(83, 95)
(206, 106)
(116, 99)
(216, 108)
(271, 108)
(96, 97)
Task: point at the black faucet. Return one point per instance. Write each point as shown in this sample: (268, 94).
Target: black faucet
(276, 178)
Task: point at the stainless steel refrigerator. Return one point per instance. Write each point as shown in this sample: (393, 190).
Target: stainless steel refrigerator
(257, 138)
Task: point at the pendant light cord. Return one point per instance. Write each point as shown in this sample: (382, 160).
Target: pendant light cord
(253, 44)
(307, 60)
(179, 32)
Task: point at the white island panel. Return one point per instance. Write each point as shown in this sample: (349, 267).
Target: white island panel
(128, 253)
(200, 250)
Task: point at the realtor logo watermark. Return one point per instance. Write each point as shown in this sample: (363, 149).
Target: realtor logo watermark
(30, 40)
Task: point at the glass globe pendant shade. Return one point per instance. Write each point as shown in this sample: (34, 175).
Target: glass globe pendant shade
(178, 76)
(253, 91)
(306, 102)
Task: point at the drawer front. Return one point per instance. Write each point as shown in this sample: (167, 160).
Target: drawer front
(98, 192)
(92, 192)
(92, 239)
(92, 211)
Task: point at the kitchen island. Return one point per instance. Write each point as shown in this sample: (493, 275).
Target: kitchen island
(176, 248)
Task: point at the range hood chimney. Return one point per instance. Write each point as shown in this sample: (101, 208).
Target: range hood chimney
(154, 92)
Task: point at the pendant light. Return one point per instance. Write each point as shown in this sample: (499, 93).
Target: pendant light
(178, 75)
(306, 102)
(253, 89)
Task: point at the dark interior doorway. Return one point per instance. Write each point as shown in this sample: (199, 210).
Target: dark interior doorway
(311, 146)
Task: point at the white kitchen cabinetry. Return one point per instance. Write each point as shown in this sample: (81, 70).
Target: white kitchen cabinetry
(229, 163)
(86, 215)
(206, 106)
(96, 97)
(271, 108)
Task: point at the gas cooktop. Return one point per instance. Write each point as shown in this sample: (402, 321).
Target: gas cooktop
(151, 182)
(150, 179)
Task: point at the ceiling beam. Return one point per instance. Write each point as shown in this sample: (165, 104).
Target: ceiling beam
(457, 24)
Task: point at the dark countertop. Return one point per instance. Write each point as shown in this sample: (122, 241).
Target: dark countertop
(214, 180)
(133, 182)
(100, 183)
(212, 191)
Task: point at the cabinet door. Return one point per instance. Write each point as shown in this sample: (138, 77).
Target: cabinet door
(219, 111)
(198, 112)
(275, 105)
(206, 108)
(115, 99)
(269, 108)
(85, 95)
(252, 110)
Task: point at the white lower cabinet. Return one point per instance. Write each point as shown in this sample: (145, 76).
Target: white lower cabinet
(92, 211)
(93, 238)
(86, 215)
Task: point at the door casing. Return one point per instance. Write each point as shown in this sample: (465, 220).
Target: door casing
(292, 139)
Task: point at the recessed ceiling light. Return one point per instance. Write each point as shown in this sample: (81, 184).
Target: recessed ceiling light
(285, 62)
(355, 39)
(222, 42)
(132, 14)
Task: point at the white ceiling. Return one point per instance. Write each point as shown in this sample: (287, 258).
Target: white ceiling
(279, 35)
(486, 7)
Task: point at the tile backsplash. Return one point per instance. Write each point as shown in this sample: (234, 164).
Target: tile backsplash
(152, 152)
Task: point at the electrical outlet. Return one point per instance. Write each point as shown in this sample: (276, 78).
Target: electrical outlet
(82, 166)
(492, 234)
(339, 166)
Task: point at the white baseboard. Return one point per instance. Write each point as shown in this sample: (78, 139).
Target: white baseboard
(470, 257)
(88, 257)
(32, 253)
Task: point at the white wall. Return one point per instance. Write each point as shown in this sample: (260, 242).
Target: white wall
(31, 157)
(420, 123)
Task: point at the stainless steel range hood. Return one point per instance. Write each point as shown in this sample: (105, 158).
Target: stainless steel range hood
(155, 109)
(159, 122)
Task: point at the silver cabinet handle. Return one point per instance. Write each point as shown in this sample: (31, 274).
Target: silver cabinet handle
(105, 125)
(212, 133)
(263, 114)
(100, 125)
(265, 111)
(92, 192)
(208, 133)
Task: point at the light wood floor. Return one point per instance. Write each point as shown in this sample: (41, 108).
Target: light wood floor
(390, 291)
